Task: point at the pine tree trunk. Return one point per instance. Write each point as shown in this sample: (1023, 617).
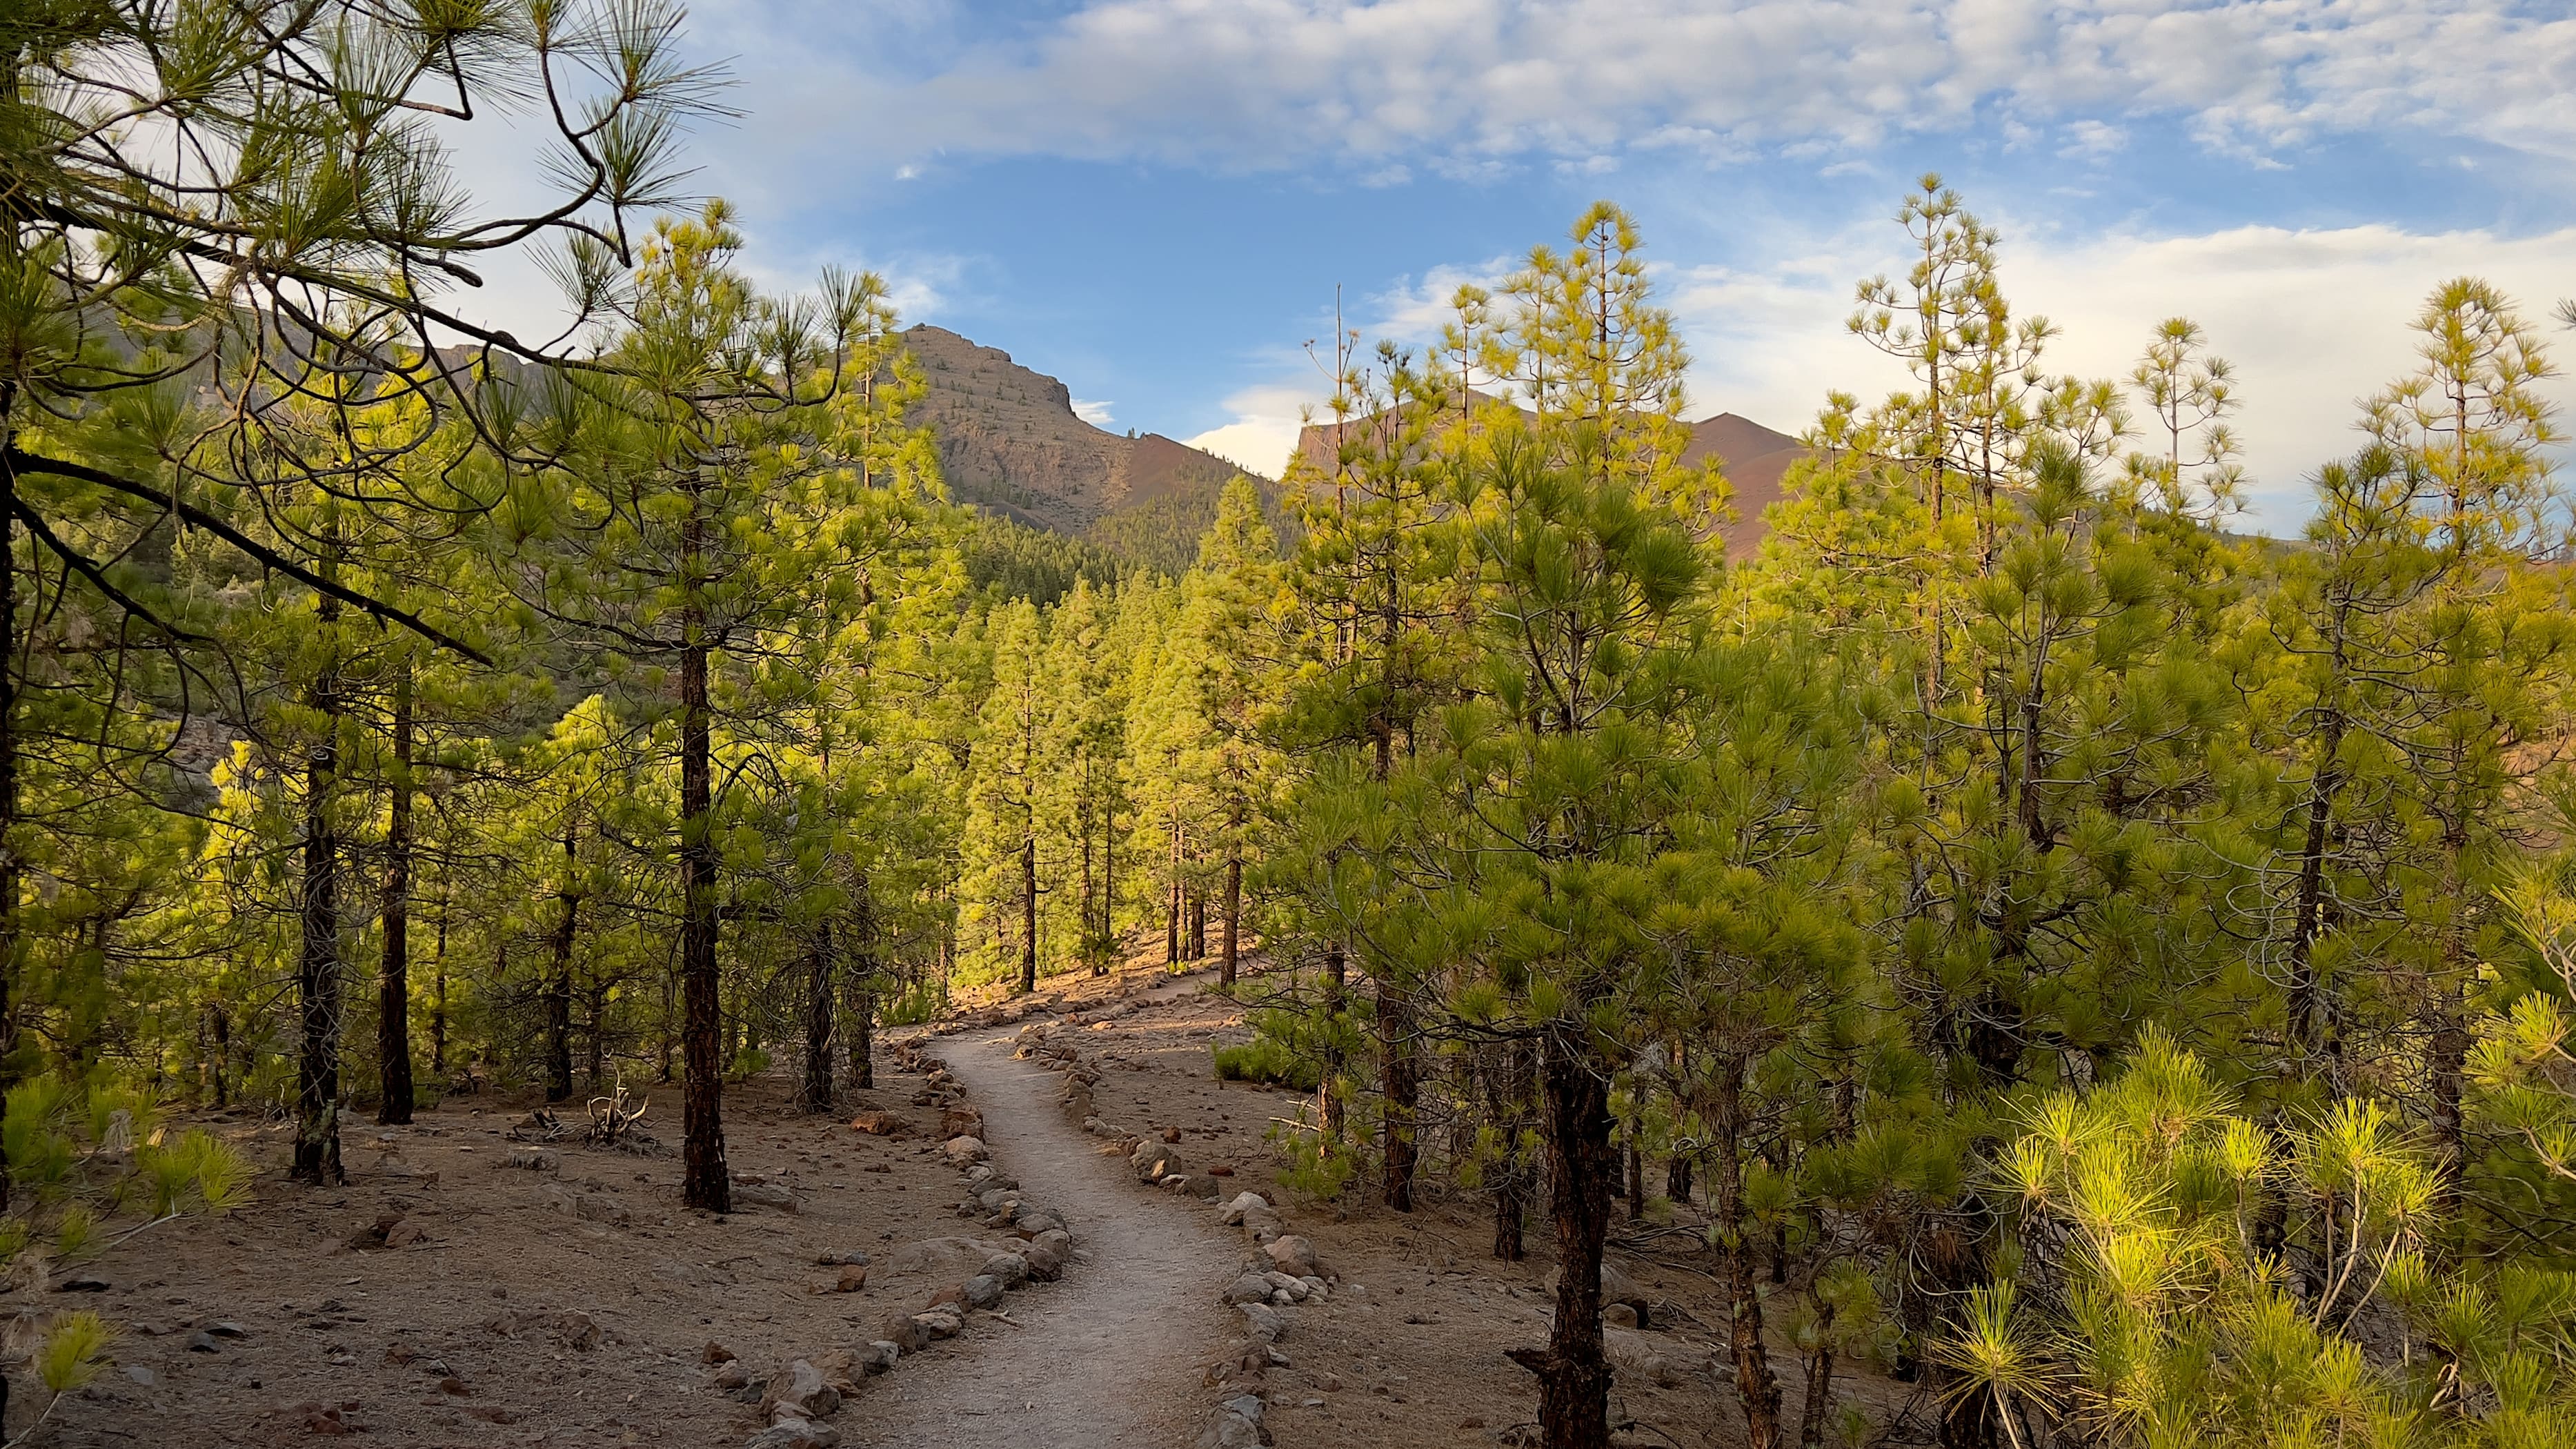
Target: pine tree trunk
(860, 984)
(1172, 923)
(1817, 1410)
(1233, 916)
(1755, 1385)
(1110, 954)
(1029, 913)
(705, 1184)
(317, 1094)
(438, 1001)
(393, 993)
(1399, 1080)
(559, 982)
(1507, 1105)
(1573, 1372)
(821, 1007)
(1636, 1178)
(11, 877)
(1328, 1094)
(219, 1035)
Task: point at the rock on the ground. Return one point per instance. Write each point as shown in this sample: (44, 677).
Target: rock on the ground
(794, 1434)
(1295, 1256)
(1044, 1264)
(941, 1320)
(1154, 1161)
(961, 1122)
(1244, 1202)
(940, 1257)
(966, 1149)
(1237, 1425)
(758, 1192)
(1638, 1358)
(1056, 1241)
(1250, 1288)
(983, 1290)
(1264, 1323)
(905, 1332)
(851, 1281)
(590, 1206)
(801, 1389)
(1009, 1269)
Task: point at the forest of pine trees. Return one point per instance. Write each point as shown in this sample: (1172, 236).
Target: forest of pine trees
(2107, 965)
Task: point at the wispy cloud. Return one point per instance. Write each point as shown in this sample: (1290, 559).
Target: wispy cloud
(1095, 413)
(1271, 83)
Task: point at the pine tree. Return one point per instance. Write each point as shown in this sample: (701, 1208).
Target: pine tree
(697, 530)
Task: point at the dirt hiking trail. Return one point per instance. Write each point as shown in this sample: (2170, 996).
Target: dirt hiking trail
(1108, 1358)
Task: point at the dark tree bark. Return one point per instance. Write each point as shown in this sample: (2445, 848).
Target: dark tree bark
(393, 990)
(821, 1018)
(317, 1095)
(558, 993)
(1029, 912)
(2312, 1043)
(860, 985)
(1400, 1082)
(1816, 1411)
(219, 1048)
(1507, 1104)
(12, 935)
(704, 1184)
(1233, 916)
(1755, 1385)
(438, 999)
(1328, 1094)
(1573, 1372)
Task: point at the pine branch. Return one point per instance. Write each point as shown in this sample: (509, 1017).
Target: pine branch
(19, 460)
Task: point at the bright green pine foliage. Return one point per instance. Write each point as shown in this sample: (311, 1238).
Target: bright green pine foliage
(2184, 1274)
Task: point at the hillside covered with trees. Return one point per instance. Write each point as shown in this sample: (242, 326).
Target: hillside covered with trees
(2104, 967)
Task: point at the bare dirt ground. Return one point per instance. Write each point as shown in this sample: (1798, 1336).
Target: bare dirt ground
(575, 1305)
(562, 1307)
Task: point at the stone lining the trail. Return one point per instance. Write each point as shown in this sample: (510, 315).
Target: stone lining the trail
(1283, 1273)
(1035, 1247)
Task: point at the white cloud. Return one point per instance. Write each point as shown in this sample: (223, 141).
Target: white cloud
(1264, 431)
(1282, 82)
(1094, 413)
(2313, 320)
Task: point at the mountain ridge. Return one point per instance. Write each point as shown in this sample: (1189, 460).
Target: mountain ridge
(1011, 443)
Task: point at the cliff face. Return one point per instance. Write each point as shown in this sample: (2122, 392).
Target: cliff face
(1009, 441)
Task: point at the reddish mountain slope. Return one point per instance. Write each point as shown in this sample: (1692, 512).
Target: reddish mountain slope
(1009, 441)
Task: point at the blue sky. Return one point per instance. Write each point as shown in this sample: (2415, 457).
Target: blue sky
(1156, 200)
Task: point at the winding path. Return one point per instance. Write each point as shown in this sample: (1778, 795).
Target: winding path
(1108, 1357)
